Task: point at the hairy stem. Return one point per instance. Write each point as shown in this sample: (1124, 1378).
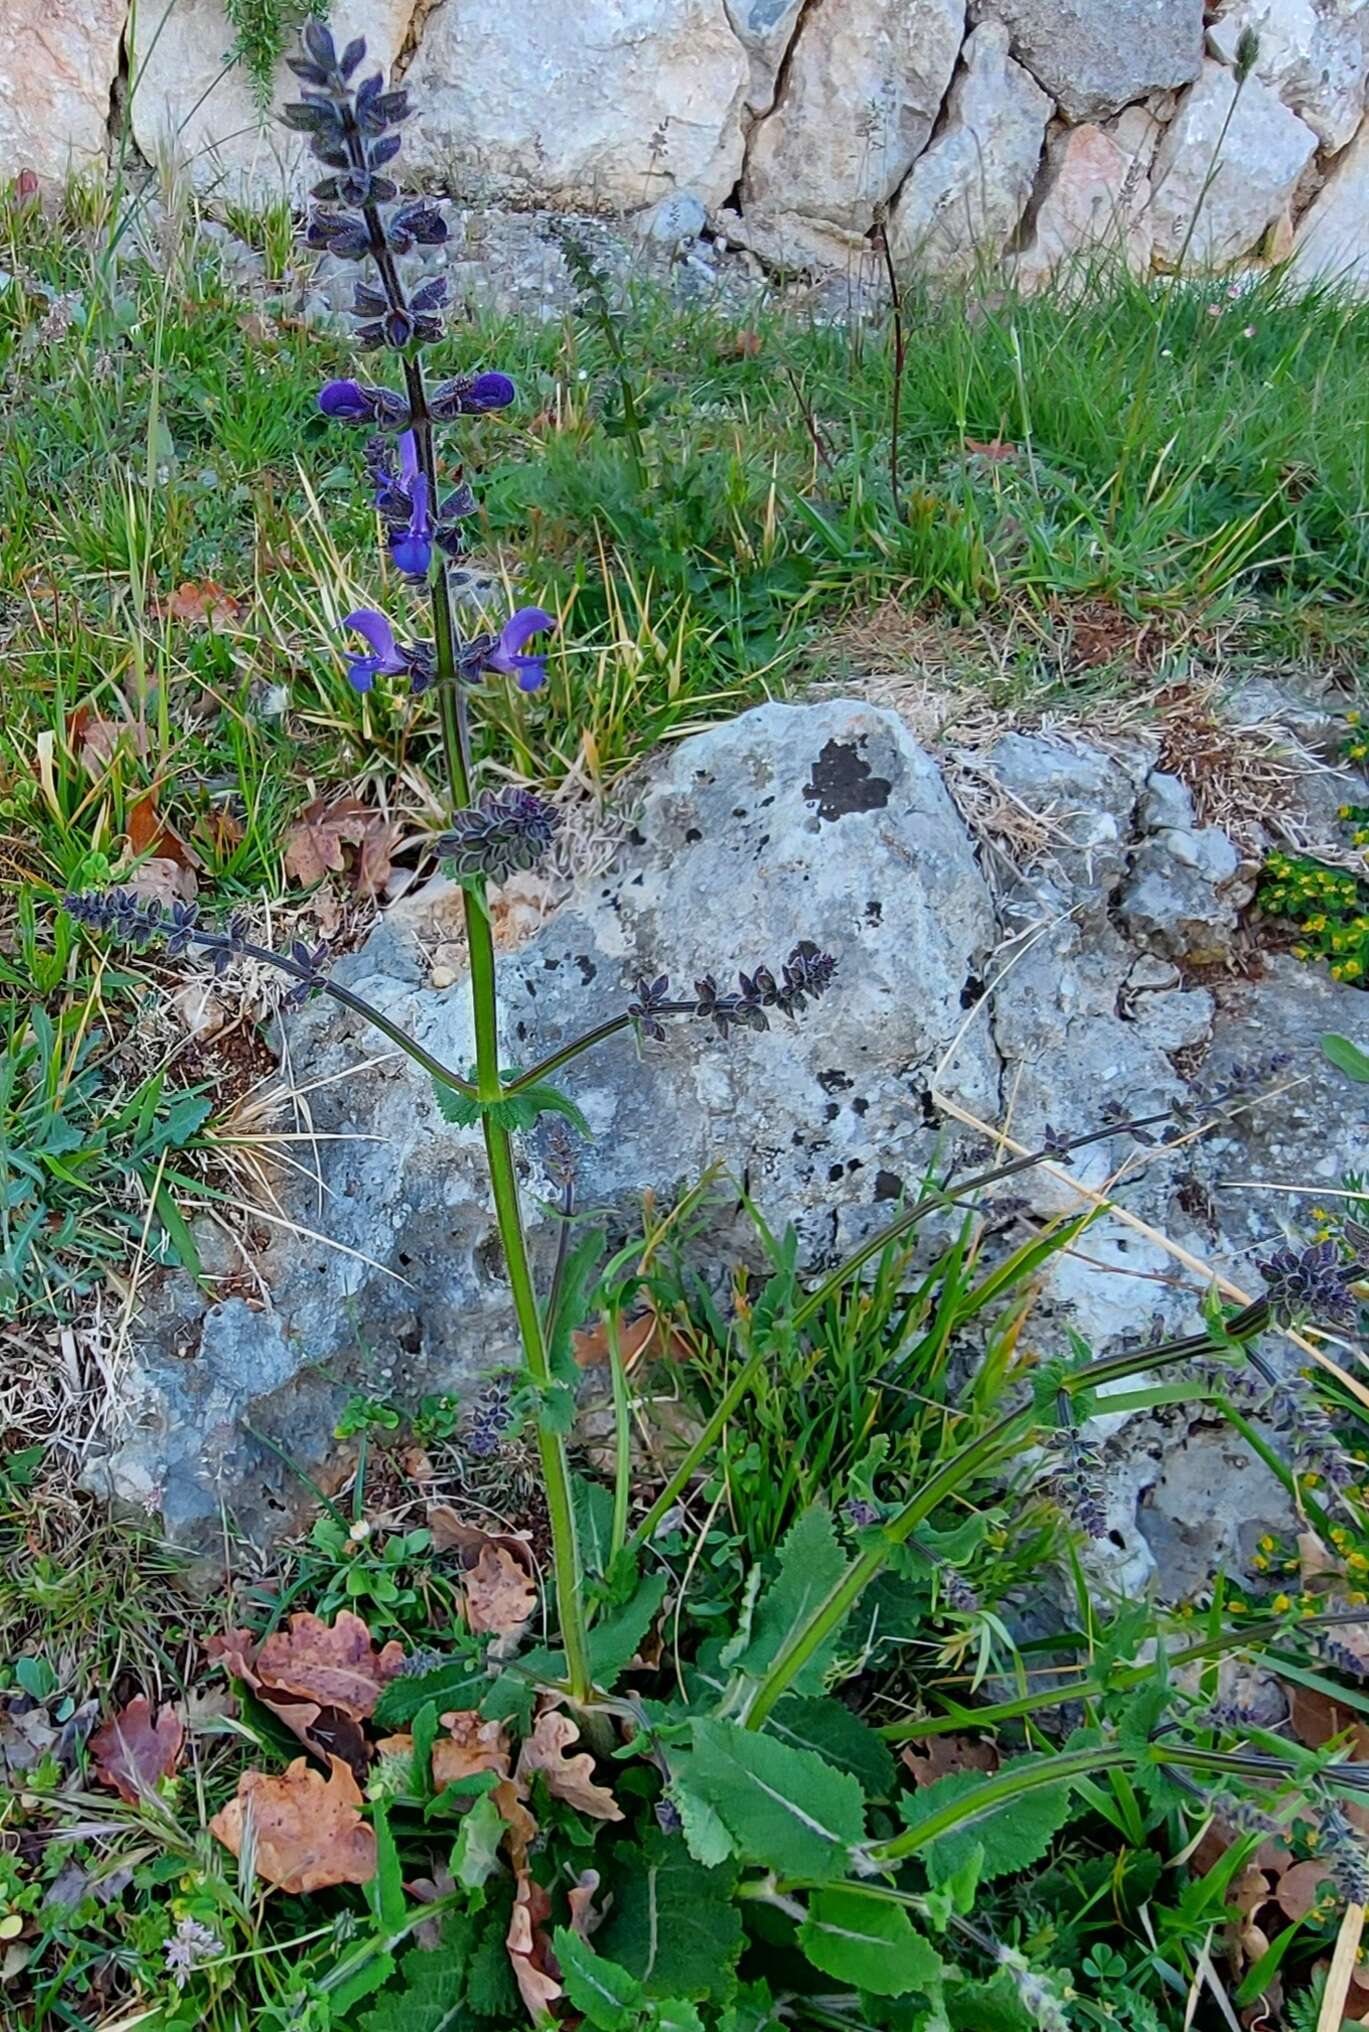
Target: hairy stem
(485, 1012)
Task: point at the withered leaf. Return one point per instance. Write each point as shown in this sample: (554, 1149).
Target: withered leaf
(648, 1338)
(471, 1744)
(149, 833)
(568, 1778)
(338, 1667)
(519, 1823)
(530, 1949)
(204, 601)
(133, 1749)
(160, 881)
(500, 1594)
(945, 1754)
(451, 1533)
(1303, 1886)
(327, 1731)
(308, 1831)
(97, 742)
(316, 844)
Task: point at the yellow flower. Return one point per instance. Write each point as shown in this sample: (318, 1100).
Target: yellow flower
(1281, 1604)
(1267, 1542)
(1357, 1562)
(1260, 1563)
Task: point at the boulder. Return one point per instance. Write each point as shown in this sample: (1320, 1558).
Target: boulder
(600, 105)
(194, 106)
(967, 193)
(1096, 56)
(1313, 53)
(56, 82)
(862, 87)
(1332, 240)
(1209, 217)
(765, 29)
(1091, 202)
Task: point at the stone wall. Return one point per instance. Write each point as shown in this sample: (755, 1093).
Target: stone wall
(1021, 133)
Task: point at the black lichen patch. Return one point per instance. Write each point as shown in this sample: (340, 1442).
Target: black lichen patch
(842, 783)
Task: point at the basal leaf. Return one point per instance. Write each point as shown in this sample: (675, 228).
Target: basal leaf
(450, 1685)
(1012, 1833)
(811, 1564)
(785, 1808)
(427, 1993)
(867, 1942)
(672, 1923)
(830, 1728)
(615, 1639)
(1346, 1056)
(606, 1994)
(593, 1504)
(476, 1855)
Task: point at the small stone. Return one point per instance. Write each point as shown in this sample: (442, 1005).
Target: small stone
(1167, 802)
(443, 977)
(200, 1010)
(682, 216)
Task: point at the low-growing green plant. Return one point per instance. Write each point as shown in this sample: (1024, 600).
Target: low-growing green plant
(599, 1820)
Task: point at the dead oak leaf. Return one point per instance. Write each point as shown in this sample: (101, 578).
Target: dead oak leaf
(568, 1778)
(500, 1594)
(97, 742)
(307, 1831)
(317, 844)
(1304, 1886)
(520, 1826)
(327, 1731)
(134, 1748)
(945, 1754)
(451, 1533)
(338, 1667)
(204, 602)
(471, 1745)
(530, 1949)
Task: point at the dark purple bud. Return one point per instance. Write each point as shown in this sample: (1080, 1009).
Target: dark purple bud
(471, 395)
(347, 402)
(354, 54)
(505, 830)
(319, 44)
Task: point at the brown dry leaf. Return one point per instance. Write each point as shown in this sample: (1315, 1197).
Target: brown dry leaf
(338, 1667)
(500, 1594)
(520, 1825)
(945, 1754)
(327, 1731)
(568, 1778)
(530, 1949)
(452, 1533)
(1298, 1889)
(204, 601)
(133, 1750)
(150, 833)
(996, 451)
(1317, 1718)
(97, 742)
(744, 345)
(648, 1338)
(160, 881)
(471, 1744)
(580, 1897)
(316, 844)
(308, 1831)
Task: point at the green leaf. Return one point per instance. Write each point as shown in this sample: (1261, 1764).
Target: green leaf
(785, 1808)
(1346, 1057)
(364, 1980)
(424, 1735)
(869, 1943)
(615, 1640)
(556, 1409)
(431, 1981)
(593, 1506)
(707, 1840)
(476, 1855)
(1013, 1833)
(830, 1728)
(606, 1994)
(514, 1112)
(811, 1564)
(676, 2014)
(544, 1099)
(387, 1892)
(672, 1923)
(989, 2007)
(490, 1988)
(451, 1685)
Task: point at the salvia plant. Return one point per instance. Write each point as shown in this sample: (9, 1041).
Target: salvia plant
(758, 1856)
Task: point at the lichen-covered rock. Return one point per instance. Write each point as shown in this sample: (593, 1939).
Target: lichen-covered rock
(591, 104)
(863, 86)
(1091, 200)
(966, 194)
(56, 78)
(194, 107)
(824, 822)
(1096, 56)
(765, 29)
(1332, 240)
(1210, 217)
(1313, 53)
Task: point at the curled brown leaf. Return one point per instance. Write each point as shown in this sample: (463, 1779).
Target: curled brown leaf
(307, 1831)
(470, 1745)
(568, 1778)
(134, 1748)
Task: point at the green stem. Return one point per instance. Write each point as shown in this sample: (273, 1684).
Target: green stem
(832, 1612)
(1011, 1784)
(622, 1435)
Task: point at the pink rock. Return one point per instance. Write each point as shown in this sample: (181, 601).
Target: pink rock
(1091, 201)
(60, 62)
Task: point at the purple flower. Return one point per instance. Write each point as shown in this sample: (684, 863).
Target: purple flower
(506, 654)
(411, 540)
(345, 401)
(471, 395)
(362, 671)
